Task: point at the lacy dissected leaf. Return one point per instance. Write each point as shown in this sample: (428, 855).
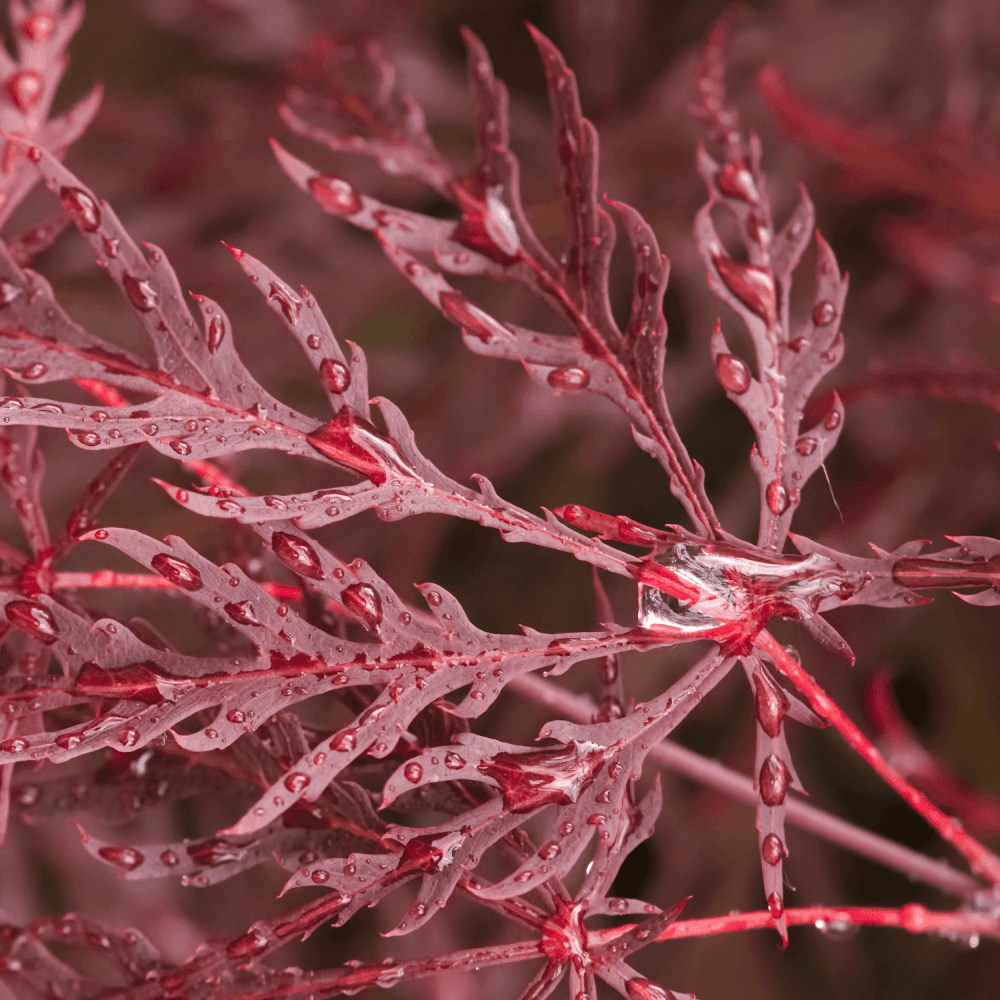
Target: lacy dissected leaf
(31, 970)
(494, 239)
(148, 692)
(774, 775)
(31, 78)
(790, 357)
(586, 776)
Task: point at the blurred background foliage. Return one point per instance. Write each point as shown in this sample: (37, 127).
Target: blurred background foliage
(179, 148)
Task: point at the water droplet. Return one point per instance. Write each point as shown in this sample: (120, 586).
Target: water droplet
(774, 781)
(128, 737)
(732, 373)
(237, 716)
(33, 618)
(69, 741)
(752, 285)
(805, 445)
(39, 27)
(140, 293)
(345, 742)
(124, 857)
(335, 375)
(298, 555)
(434, 599)
(254, 942)
(832, 421)
(566, 828)
(181, 447)
(772, 850)
(736, 182)
(216, 333)
(276, 503)
(824, 313)
(81, 208)
(777, 497)
(8, 293)
(335, 194)
(16, 745)
(645, 989)
(771, 704)
(89, 438)
(363, 601)
(320, 875)
(453, 761)
(569, 377)
(413, 772)
(25, 88)
(169, 858)
(296, 782)
(180, 573)
(242, 613)
(36, 370)
(776, 905)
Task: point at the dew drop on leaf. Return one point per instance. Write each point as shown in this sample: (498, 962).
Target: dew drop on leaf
(549, 851)
(335, 375)
(124, 857)
(39, 27)
(753, 286)
(320, 876)
(34, 619)
(413, 772)
(16, 745)
(81, 208)
(89, 438)
(296, 782)
(453, 761)
(772, 850)
(140, 293)
(181, 447)
(36, 370)
(216, 333)
(777, 497)
(774, 781)
(805, 445)
(645, 989)
(69, 741)
(776, 905)
(25, 88)
(237, 716)
(824, 313)
(733, 373)
(362, 600)
(299, 556)
(169, 858)
(128, 737)
(335, 194)
(569, 377)
(736, 182)
(180, 573)
(832, 421)
(242, 613)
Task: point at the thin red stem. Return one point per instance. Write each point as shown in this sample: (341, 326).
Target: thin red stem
(981, 860)
(913, 918)
(104, 579)
(738, 786)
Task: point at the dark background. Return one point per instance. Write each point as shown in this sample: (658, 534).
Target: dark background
(179, 148)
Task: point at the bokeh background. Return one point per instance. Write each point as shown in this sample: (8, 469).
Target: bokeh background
(179, 148)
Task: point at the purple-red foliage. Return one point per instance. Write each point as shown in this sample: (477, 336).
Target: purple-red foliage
(357, 725)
